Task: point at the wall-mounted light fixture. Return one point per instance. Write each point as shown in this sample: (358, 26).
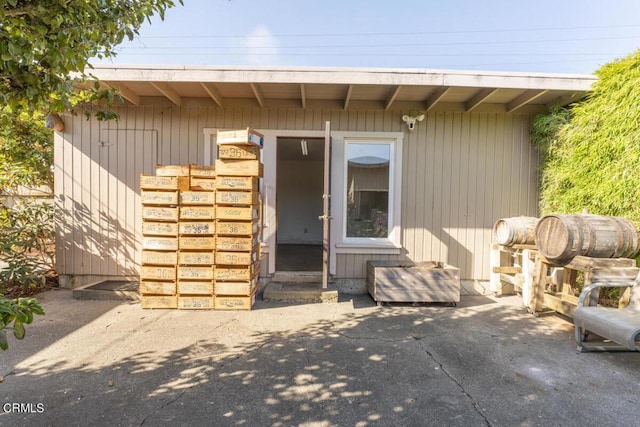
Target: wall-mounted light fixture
(411, 120)
(303, 147)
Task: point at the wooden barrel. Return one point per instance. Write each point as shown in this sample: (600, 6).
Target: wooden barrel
(515, 231)
(562, 237)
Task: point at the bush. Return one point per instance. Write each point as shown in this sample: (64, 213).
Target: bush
(20, 312)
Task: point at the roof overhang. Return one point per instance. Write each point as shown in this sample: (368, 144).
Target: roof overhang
(345, 88)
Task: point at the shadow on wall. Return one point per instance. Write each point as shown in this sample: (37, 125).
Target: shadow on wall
(392, 366)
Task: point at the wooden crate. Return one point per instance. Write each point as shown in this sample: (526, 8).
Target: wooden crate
(172, 170)
(250, 183)
(398, 281)
(199, 198)
(196, 258)
(237, 228)
(237, 197)
(237, 243)
(154, 213)
(154, 182)
(236, 258)
(159, 301)
(239, 167)
(155, 272)
(242, 288)
(246, 136)
(237, 212)
(154, 228)
(231, 302)
(197, 212)
(232, 274)
(159, 197)
(196, 243)
(152, 287)
(199, 228)
(195, 272)
(160, 243)
(202, 171)
(200, 302)
(202, 184)
(239, 152)
(159, 257)
(198, 287)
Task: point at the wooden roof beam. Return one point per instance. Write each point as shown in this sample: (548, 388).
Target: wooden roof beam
(523, 99)
(479, 98)
(392, 97)
(125, 92)
(435, 97)
(212, 92)
(303, 97)
(166, 90)
(347, 97)
(563, 100)
(258, 94)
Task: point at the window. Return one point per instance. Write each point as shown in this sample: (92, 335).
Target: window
(369, 209)
(367, 204)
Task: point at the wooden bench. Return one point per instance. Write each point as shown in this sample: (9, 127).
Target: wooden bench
(620, 327)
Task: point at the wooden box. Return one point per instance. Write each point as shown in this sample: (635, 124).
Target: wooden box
(202, 171)
(250, 183)
(246, 136)
(236, 258)
(196, 258)
(206, 198)
(237, 228)
(154, 182)
(200, 287)
(200, 302)
(239, 167)
(172, 170)
(159, 301)
(243, 288)
(195, 273)
(153, 228)
(197, 212)
(196, 243)
(150, 257)
(236, 212)
(233, 274)
(237, 197)
(229, 302)
(197, 228)
(155, 272)
(154, 213)
(160, 243)
(202, 184)
(398, 281)
(238, 152)
(241, 243)
(157, 288)
(159, 197)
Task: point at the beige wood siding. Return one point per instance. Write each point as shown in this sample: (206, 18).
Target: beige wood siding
(461, 172)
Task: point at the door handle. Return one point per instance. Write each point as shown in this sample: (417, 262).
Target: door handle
(324, 217)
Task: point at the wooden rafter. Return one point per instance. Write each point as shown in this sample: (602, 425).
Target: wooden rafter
(166, 90)
(347, 97)
(435, 97)
(523, 99)
(213, 93)
(258, 94)
(392, 97)
(479, 98)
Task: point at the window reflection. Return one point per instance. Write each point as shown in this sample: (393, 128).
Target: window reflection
(368, 189)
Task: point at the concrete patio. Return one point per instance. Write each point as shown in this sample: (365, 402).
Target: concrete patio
(486, 362)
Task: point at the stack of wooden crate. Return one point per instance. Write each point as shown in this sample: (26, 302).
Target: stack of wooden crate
(196, 241)
(238, 171)
(159, 194)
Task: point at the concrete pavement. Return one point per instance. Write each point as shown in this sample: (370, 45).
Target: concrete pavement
(486, 362)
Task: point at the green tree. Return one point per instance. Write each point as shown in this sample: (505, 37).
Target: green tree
(591, 151)
(44, 44)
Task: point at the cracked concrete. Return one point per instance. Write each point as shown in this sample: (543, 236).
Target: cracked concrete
(485, 362)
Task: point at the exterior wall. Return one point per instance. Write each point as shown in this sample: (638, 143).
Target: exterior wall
(461, 172)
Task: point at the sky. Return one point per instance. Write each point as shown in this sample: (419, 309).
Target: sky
(559, 36)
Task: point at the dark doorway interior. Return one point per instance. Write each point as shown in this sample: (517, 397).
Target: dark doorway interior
(299, 180)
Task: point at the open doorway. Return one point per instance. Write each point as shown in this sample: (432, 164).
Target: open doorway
(299, 181)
